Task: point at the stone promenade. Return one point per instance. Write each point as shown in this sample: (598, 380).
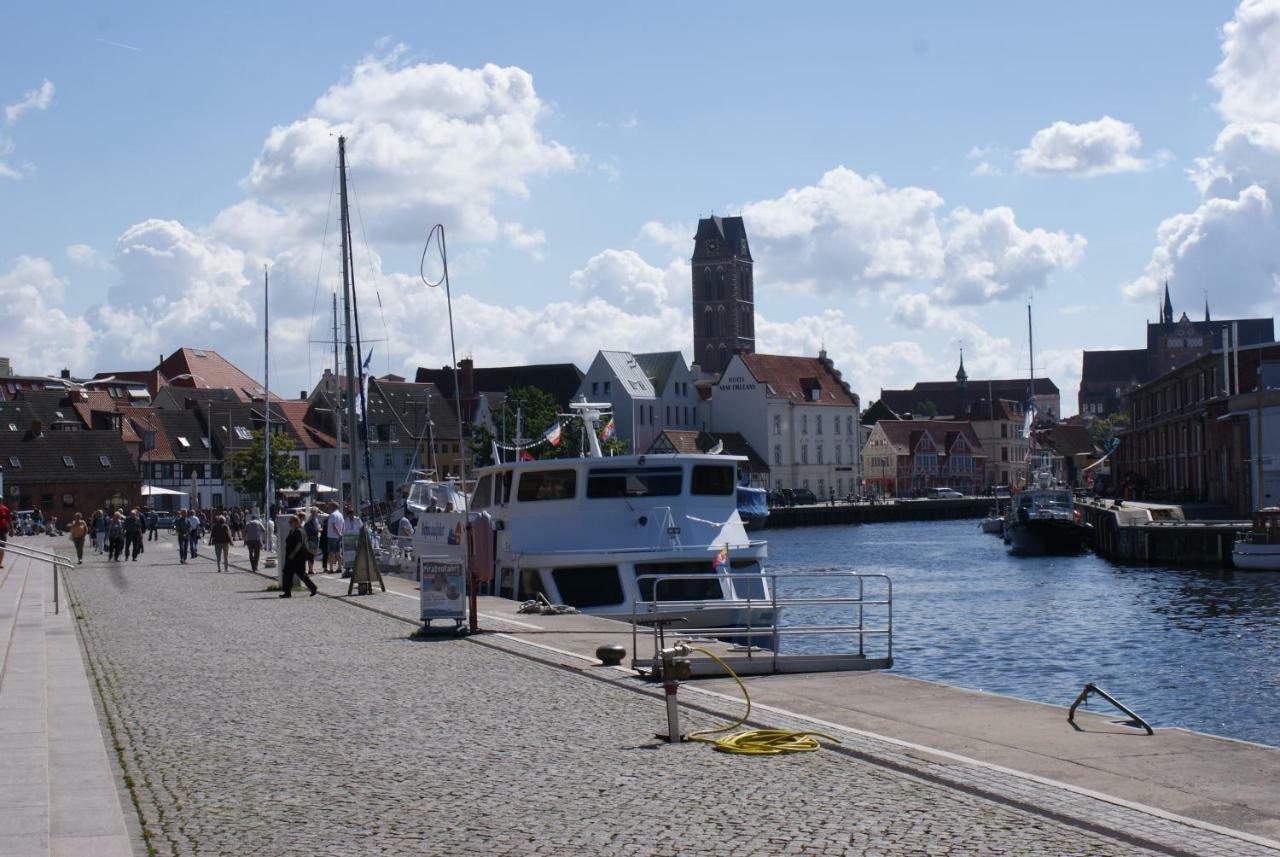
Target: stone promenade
(253, 725)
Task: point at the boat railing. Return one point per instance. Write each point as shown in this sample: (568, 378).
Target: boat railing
(859, 612)
(691, 550)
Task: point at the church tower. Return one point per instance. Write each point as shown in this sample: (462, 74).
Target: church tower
(724, 316)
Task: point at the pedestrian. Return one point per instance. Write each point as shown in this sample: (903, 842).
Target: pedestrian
(100, 523)
(311, 529)
(77, 531)
(404, 534)
(334, 528)
(133, 535)
(253, 533)
(4, 530)
(115, 537)
(193, 536)
(220, 538)
(296, 554)
(153, 526)
(182, 528)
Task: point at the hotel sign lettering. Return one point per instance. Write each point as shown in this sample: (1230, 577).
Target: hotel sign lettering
(736, 383)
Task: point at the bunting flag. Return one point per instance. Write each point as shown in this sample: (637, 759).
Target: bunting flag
(607, 431)
(721, 559)
(552, 435)
(1031, 418)
(368, 359)
(525, 455)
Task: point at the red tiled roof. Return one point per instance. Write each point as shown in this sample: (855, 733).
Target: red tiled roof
(903, 435)
(307, 436)
(794, 379)
(211, 370)
(141, 419)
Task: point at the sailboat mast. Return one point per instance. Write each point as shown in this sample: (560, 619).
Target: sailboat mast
(337, 460)
(266, 397)
(346, 317)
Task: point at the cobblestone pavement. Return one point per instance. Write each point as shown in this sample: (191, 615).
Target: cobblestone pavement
(247, 725)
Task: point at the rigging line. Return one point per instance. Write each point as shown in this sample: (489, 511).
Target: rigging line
(324, 241)
(373, 277)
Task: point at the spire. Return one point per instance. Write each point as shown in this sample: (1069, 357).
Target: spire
(1206, 306)
(962, 377)
(1166, 316)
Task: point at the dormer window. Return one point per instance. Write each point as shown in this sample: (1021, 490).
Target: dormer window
(182, 440)
(14, 461)
(13, 426)
(243, 433)
(204, 441)
(68, 461)
(104, 461)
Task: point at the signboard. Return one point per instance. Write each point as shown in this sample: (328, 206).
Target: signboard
(442, 591)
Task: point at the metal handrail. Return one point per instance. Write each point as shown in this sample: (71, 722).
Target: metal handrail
(1134, 718)
(53, 559)
(766, 583)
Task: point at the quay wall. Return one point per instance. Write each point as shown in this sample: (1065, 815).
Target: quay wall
(878, 513)
(1117, 536)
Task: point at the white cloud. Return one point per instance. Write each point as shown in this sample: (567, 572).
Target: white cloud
(852, 233)
(37, 333)
(530, 241)
(1103, 146)
(33, 99)
(1229, 244)
(624, 279)
(86, 257)
(427, 143)
(985, 168)
(1248, 77)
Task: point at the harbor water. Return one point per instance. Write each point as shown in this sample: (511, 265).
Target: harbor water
(1198, 648)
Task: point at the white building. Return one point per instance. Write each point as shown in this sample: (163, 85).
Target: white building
(798, 414)
(649, 393)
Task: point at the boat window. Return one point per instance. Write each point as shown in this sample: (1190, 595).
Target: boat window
(546, 485)
(696, 589)
(633, 482)
(588, 586)
(715, 479)
(484, 493)
(752, 586)
(503, 491)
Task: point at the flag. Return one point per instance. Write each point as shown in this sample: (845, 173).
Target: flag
(552, 435)
(607, 432)
(721, 559)
(525, 455)
(368, 359)
(1031, 418)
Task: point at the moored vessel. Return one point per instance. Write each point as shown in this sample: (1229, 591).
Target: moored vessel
(1259, 549)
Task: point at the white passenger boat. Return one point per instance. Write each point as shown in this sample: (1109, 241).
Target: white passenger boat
(586, 531)
(1259, 549)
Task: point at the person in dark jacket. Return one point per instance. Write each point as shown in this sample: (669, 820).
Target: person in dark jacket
(133, 535)
(220, 538)
(115, 537)
(296, 555)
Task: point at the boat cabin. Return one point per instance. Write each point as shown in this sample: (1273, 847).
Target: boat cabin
(1266, 526)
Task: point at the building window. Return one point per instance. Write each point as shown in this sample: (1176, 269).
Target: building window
(818, 420)
(346, 464)
(606, 388)
(804, 424)
(820, 455)
(668, 415)
(386, 459)
(804, 453)
(313, 462)
(835, 424)
(849, 424)
(777, 423)
(243, 433)
(15, 462)
(182, 440)
(706, 284)
(720, 286)
(68, 461)
(777, 453)
(838, 456)
(104, 461)
(708, 323)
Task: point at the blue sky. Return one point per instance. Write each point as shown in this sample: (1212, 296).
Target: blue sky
(571, 175)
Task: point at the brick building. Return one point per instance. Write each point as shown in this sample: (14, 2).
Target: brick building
(905, 456)
(723, 293)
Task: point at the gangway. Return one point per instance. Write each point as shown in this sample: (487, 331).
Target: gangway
(859, 610)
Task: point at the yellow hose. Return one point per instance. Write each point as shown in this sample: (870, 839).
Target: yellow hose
(755, 742)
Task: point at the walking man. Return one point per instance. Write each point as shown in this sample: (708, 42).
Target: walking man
(193, 536)
(220, 538)
(296, 554)
(182, 527)
(78, 530)
(334, 528)
(253, 532)
(153, 524)
(133, 535)
(115, 537)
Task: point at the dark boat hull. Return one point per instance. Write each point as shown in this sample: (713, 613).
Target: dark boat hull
(1051, 536)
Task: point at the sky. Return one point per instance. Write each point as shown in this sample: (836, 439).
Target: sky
(911, 176)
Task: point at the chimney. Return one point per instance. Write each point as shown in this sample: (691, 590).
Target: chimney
(302, 397)
(467, 369)
(65, 374)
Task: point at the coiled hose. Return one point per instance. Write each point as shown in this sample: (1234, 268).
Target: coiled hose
(755, 742)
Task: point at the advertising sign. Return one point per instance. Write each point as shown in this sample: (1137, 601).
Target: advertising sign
(442, 591)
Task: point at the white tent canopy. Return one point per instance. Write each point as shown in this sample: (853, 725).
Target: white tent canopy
(311, 488)
(157, 491)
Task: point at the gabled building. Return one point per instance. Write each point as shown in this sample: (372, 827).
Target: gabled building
(904, 457)
(63, 472)
(797, 411)
(412, 428)
(1107, 376)
(648, 393)
(672, 441)
(723, 293)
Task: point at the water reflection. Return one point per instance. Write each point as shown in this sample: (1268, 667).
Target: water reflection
(1186, 647)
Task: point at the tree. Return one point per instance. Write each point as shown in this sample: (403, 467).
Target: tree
(1105, 428)
(247, 465)
(536, 412)
(925, 410)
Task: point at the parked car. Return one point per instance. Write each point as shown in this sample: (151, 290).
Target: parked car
(943, 494)
(803, 496)
(164, 520)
